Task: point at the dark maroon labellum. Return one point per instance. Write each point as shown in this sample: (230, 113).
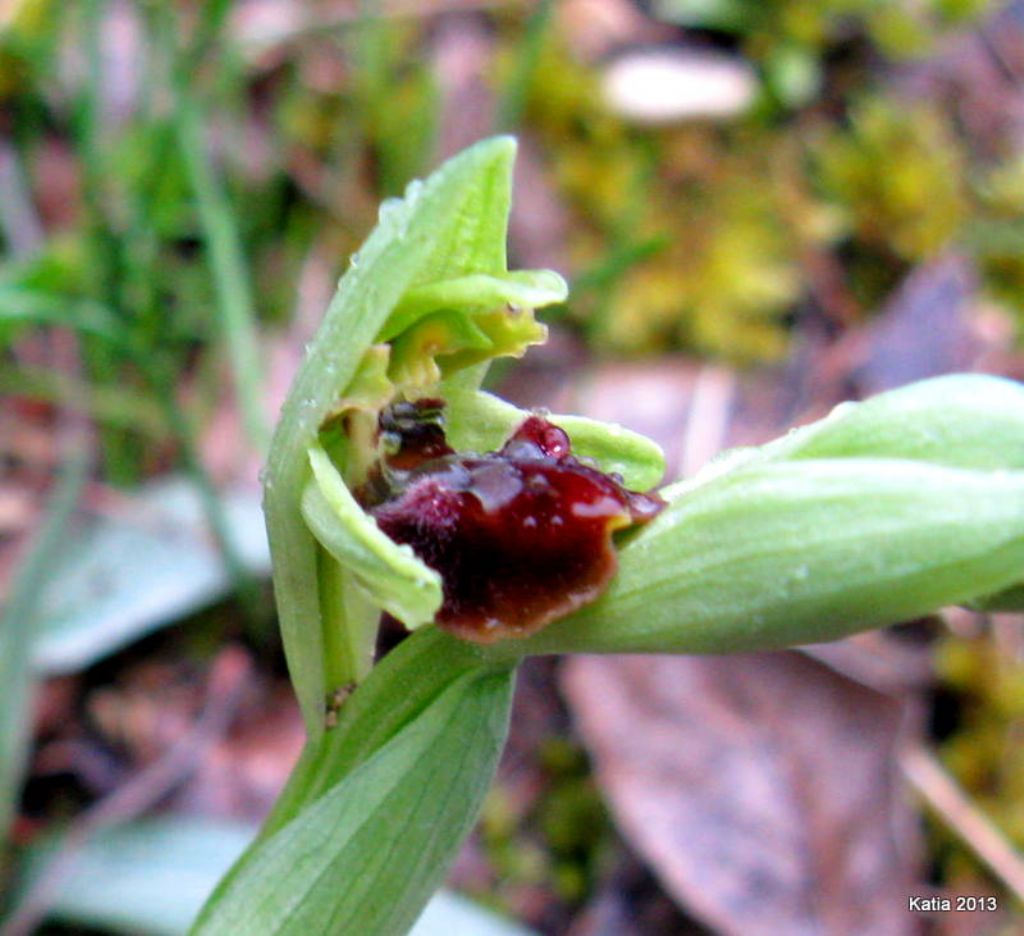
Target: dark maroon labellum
(520, 537)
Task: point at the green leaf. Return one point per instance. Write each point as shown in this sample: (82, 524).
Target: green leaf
(149, 877)
(17, 625)
(410, 680)
(116, 578)
(406, 683)
(365, 857)
(777, 554)
(449, 914)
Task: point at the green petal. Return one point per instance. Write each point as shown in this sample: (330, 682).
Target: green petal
(391, 574)
(480, 422)
(522, 289)
(414, 365)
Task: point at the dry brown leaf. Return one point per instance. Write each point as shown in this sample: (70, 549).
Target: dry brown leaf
(923, 331)
(692, 409)
(761, 788)
(462, 50)
(653, 398)
(881, 660)
(247, 768)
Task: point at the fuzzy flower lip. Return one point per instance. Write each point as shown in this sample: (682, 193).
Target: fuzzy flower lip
(520, 537)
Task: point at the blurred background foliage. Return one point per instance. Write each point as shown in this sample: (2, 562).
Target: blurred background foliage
(693, 233)
(181, 183)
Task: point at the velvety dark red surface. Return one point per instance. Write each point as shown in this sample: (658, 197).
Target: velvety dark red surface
(520, 536)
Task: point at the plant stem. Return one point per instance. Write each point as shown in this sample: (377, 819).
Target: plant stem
(350, 624)
(101, 359)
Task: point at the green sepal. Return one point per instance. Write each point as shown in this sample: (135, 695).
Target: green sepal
(973, 421)
(391, 574)
(477, 421)
(371, 387)
(638, 460)
(960, 420)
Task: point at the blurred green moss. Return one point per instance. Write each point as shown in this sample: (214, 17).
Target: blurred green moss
(898, 173)
(731, 217)
(698, 236)
(694, 236)
(557, 841)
